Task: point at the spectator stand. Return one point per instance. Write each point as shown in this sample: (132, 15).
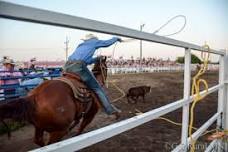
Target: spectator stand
(28, 81)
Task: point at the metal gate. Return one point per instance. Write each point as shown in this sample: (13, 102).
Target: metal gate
(29, 14)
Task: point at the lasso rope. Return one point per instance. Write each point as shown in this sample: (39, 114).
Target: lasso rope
(106, 84)
(181, 29)
(176, 123)
(179, 124)
(156, 31)
(195, 92)
(120, 90)
(123, 41)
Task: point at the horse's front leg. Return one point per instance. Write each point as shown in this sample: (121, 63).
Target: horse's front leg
(56, 136)
(88, 117)
(38, 138)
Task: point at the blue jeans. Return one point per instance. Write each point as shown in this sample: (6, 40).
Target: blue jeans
(90, 80)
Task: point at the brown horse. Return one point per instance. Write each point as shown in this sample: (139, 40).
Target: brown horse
(53, 108)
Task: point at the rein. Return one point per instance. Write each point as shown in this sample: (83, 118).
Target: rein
(103, 67)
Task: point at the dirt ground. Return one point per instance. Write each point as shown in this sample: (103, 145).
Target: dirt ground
(154, 136)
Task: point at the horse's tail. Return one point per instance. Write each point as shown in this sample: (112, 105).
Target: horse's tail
(18, 109)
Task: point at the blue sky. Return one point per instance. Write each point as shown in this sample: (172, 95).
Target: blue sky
(206, 21)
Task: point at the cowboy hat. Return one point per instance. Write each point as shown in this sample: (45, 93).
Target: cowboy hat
(8, 61)
(88, 36)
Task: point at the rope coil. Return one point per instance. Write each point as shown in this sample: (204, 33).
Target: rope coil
(195, 91)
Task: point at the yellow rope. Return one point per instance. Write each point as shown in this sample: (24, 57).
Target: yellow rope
(172, 122)
(179, 124)
(176, 123)
(120, 90)
(196, 91)
(106, 84)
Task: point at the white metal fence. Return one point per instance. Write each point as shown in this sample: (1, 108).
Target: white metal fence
(18, 12)
(175, 68)
(144, 69)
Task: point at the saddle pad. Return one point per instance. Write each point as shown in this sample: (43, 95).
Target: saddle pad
(72, 75)
(76, 87)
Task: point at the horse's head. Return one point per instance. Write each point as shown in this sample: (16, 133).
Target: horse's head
(100, 70)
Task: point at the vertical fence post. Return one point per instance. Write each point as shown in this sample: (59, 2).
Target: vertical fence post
(185, 113)
(221, 90)
(225, 106)
(220, 120)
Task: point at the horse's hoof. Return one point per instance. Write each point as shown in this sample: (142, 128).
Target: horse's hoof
(117, 114)
(114, 116)
(39, 143)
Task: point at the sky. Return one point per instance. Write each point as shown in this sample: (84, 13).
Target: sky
(207, 21)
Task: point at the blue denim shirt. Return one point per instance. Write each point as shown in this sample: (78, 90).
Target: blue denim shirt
(86, 50)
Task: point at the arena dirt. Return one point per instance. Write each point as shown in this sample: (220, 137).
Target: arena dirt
(154, 136)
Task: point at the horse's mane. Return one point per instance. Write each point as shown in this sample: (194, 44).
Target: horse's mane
(97, 66)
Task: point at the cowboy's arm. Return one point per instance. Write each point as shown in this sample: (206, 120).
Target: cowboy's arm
(93, 60)
(2, 75)
(106, 43)
(1, 81)
(96, 59)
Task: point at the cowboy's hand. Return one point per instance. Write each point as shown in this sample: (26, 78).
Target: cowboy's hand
(102, 58)
(119, 39)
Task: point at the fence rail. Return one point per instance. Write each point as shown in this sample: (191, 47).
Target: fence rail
(211, 146)
(29, 14)
(199, 132)
(119, 70)
(87, 139)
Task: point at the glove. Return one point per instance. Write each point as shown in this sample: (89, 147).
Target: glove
(102, 58)
(119, 39)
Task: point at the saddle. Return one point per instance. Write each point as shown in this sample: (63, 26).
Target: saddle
(80, 90)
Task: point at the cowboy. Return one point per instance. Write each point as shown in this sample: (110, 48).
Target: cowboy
(83, 55)
(8, 71)
(32, 64)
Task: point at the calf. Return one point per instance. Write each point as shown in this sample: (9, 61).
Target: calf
(135, 92)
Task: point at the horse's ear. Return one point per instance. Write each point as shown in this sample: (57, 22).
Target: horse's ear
(104, 58)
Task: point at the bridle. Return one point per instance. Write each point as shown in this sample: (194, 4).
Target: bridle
(103, 67)
(101, 70)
